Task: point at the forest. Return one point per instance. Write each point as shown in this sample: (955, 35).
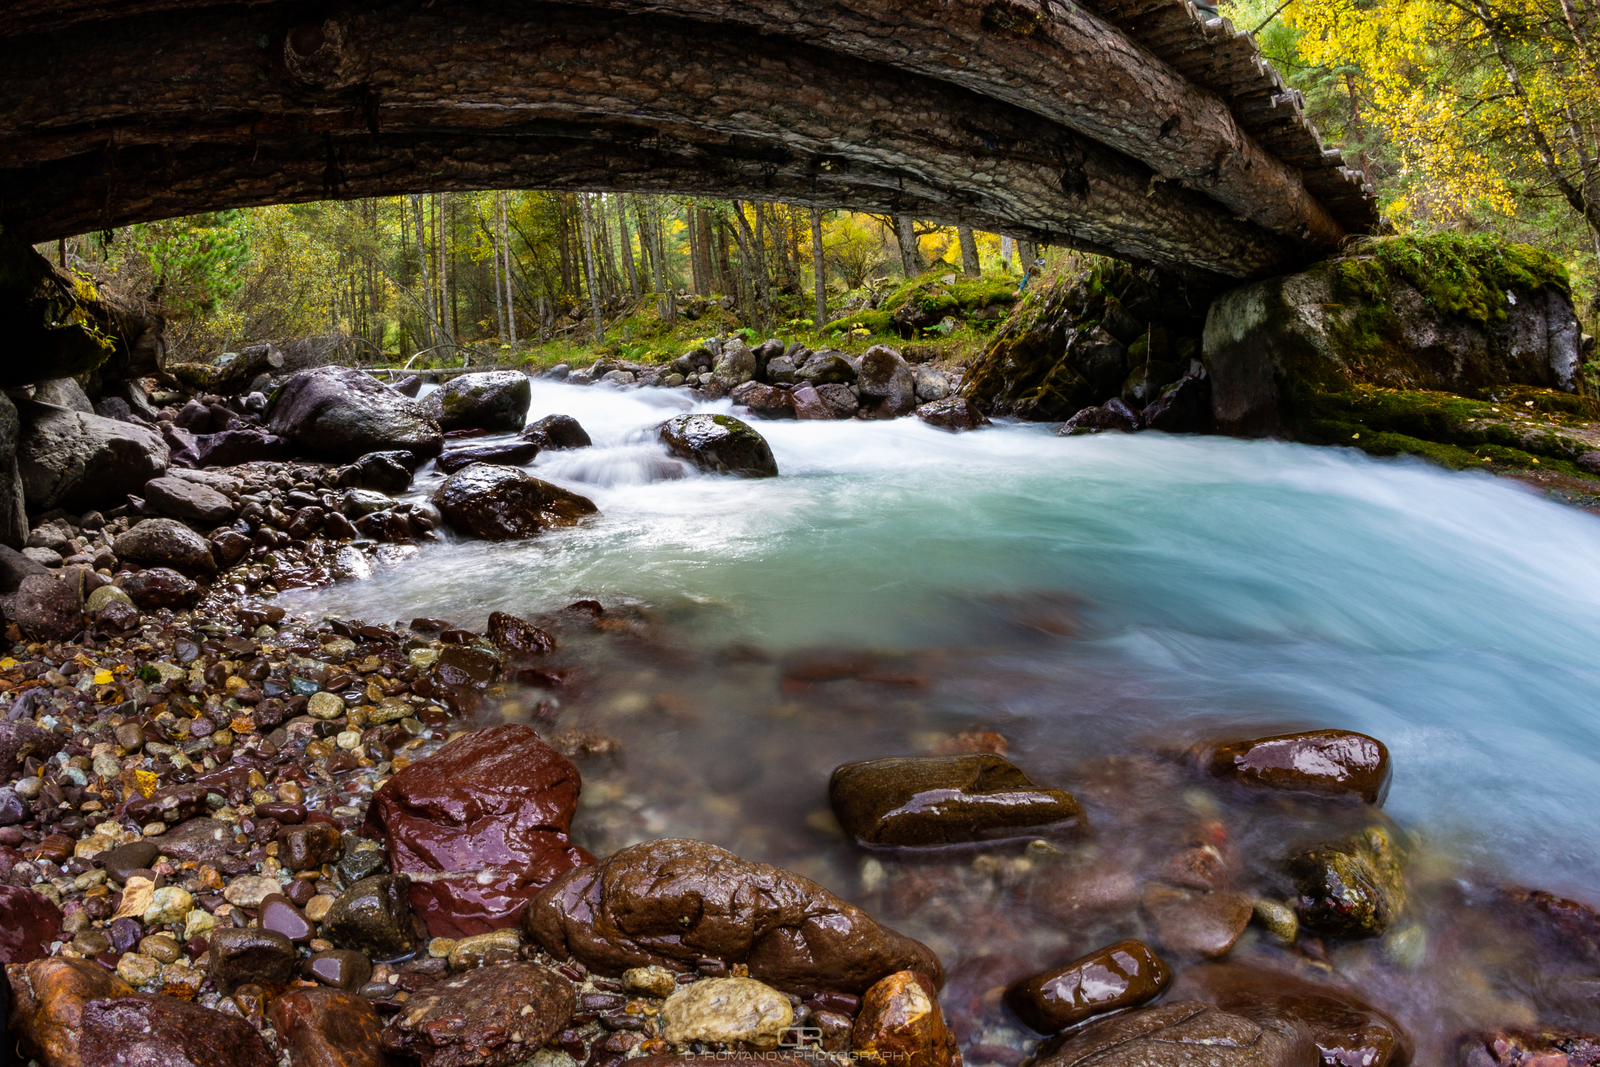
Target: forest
(1471, 116)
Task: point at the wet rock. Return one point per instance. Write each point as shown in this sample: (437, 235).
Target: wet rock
(1123, 975)
(228, 448)
(243, 955)
(931, 384)
(738, 363)
(726, 1010)
(1115, 415)
(556, 431)
(183, 499)
(517, 637)
(19, 740)
(491, 811)
(933, 801)
(1335, 762)
(1182, 407)
(28, 924)
(201, 840)
(886, 383)
(954, 413)
(827, 368)
(764, 400)
(1350, 889)
(48, 998)
(171, 805)
(166, 543)
(228, 547)
(161, 587)
(839, 399)
(14, 566)
(1186, 1033)
(374, 917)
(496, 401)
(383, 472)
(329, 1028)
(650, 981)
(280, 916)
(47, 607)
(1197, 924)
(808, 404)
(672, 902)
(720, 444)
(74, 459)
(479, 950)
(900, 1023)
(162, 1031)
(498, 503)
(345, 413)
(341, 968)
(169, 904)
(308, 846)
(508, 453)
(491, 1017)
(1346, 1028)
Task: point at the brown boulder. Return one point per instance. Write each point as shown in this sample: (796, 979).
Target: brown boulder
(934, 801)
(47, 1001)
(900, 1024)
(1185, 1033)
(518, 637)
(1123, 975)
(1346, 1028)
(672, 902)
(161, 587)
(144, 1028)
(486, 1018)
(491, 811)
(329, 1028)
(28, 923)
(172, 805)
(497, 503)
(242, 955)
(1336, 762)
(309, 845)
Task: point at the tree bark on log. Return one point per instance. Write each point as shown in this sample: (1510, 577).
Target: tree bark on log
(479, 97)
(231, 377)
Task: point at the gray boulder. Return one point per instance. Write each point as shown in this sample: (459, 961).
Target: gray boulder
(720, 444)
(839, 399)
(887, 385)
(556, 431)
(492, 400)
(738, 363)
(14, 567)
(498, 503)
(63, 393)
(76, 460)
(931, 384)
(1271, 345)
(166, 543)
(185, 499)
(46, 607)
(955, 414)
(344, 413)
(827, 368)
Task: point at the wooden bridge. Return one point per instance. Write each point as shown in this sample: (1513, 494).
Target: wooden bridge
(1140, 128)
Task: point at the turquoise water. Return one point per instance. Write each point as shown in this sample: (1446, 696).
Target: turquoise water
(1203, 584)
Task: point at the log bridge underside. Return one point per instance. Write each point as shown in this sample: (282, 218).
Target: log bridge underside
(1148, 130)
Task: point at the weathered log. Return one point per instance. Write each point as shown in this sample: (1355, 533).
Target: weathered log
(555, 97)
(232, 377)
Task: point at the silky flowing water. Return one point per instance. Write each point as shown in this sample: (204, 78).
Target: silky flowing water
(1100, 602)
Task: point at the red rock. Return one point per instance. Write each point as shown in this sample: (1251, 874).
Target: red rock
(141, 1029)
(28, 923)
(492, 808)
(307, 846)
(48, 997)
(517, 637)
(329, 1028)
(489, 1017)
(901, 1025)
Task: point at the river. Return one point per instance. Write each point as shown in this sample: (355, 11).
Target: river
(1085, 597)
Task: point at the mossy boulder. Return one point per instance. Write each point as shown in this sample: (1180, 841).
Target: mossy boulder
(719, 444)
(927, 300)
(1442, 313)
(1350, 889)
(1066, 346)
(496, 401)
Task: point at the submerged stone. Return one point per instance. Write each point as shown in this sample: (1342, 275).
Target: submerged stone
(489, 1017)
(1336, 762)
(1185, 1033)
(1123, 975)
(1351, 889)
(933, 801)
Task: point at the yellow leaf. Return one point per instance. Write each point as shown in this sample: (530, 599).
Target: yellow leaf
(145, 782)
(103, 677)
(7, 663)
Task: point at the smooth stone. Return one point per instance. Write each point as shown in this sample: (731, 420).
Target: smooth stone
(161, 587)
(242, 955)
(650, 981)
(166, 543)
(955, 414)
(900, 1023)
(496, 401)
(184, 499)
(307, 846)
(556, 431)
(249, 890)
(373, 917)
(172, 805)
(512, 1008)
(1185, 1033)
(1346, 1028)
(498, 503)
(490, 809)
(48, 998)
(341, 968)
(629, 910)
(279, 915)
(1197, 924)
(169, 904)
(164, 1031)
(345, 413)
(510, 453)
(496, 946)
(936, 801)
(324, 705)
(719, 444)
(1123, 975)
(362, 863)
(518, 637)
(1350, 889)
(1335, 762)
(726, 1010)
(329, 1028)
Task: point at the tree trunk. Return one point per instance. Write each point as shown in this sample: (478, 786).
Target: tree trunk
(589, 268)
(627, 247)
(425, 288)
(971, 265)
(906, 234)
(818, 270)
(495, 242)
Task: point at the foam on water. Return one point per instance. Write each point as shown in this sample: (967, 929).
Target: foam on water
(1455, 616)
